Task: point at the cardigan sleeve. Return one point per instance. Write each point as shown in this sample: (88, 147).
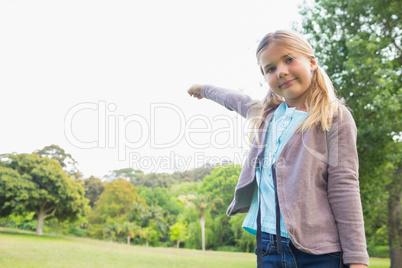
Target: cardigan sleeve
(343, 188)
(231, 99)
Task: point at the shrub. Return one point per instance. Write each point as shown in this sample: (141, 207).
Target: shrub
(378, 251)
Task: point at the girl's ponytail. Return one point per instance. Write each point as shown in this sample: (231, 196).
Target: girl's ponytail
(321, 102)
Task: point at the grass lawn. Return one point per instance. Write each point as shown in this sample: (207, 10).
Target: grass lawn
(25, 249)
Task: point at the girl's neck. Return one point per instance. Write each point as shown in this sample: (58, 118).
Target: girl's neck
(299, 107)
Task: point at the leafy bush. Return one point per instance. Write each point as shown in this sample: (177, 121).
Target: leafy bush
(378, 251)
(77, 231)
(229, 248)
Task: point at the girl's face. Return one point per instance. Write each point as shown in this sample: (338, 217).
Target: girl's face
(287, 73)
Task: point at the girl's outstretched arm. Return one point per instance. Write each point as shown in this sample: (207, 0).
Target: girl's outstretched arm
(231, 99)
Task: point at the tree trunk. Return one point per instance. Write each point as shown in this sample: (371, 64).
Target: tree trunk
(39, 226)
(394, 220)
(178, 244)
(128, 240)
(224, 224)
(202, 221)
(58, 226)
(42, 215)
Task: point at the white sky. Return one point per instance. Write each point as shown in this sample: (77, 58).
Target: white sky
(85, 75)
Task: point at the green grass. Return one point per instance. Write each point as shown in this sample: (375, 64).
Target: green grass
(379, 263)
(25, 249)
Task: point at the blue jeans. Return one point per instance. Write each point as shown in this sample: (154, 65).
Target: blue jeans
(294, 258)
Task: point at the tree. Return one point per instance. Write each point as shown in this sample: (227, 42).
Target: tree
(119, 200)
(221, 183)
(68, 163)
(75, 205)
(394, 188)
(156, 217)
(94, 187)
(112, 229)
(129, 229)
(201, 203)
(359, 44)
(197, 174)
(30, 183)
(148, 233)
(245, 240)
(179, 233)
(160, 197)
(154, 180)
(124, 173)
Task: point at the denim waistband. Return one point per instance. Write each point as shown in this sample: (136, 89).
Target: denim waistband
(272, 238)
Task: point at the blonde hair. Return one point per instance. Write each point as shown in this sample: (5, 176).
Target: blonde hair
(321, 101)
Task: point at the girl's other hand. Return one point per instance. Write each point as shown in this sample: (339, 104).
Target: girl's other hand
(195, 91)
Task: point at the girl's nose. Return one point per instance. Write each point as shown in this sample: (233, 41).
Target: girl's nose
(282, 71)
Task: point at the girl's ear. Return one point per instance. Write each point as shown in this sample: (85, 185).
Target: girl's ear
(313, 65)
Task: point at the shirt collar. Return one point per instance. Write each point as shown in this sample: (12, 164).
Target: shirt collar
(281, 110)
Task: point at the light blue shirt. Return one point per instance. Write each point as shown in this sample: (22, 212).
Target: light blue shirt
(281, 128)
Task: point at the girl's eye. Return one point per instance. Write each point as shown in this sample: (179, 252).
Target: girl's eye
(270, 70)
(289, 60)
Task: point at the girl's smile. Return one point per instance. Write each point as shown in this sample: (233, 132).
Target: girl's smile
(287, 83)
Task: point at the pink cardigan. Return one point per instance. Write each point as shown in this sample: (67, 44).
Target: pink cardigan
(318, 186)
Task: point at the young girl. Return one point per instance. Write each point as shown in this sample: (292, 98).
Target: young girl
(299, 183)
